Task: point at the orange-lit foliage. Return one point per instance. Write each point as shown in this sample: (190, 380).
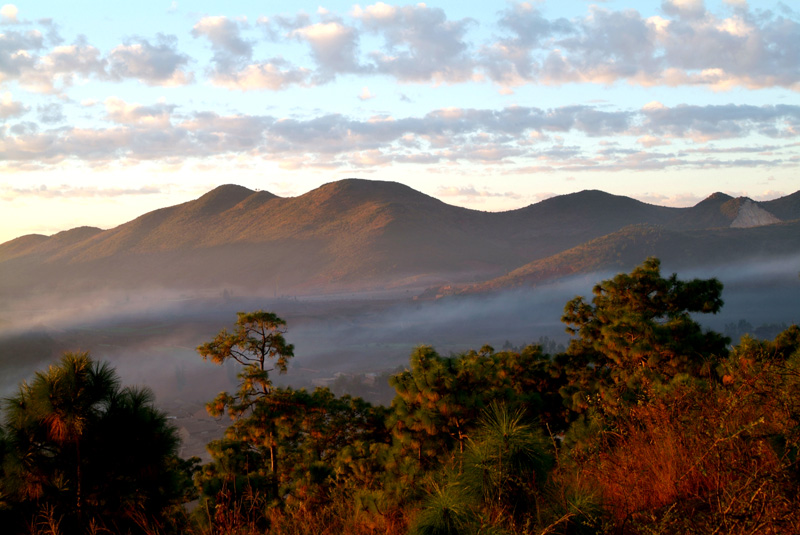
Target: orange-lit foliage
(708, 457)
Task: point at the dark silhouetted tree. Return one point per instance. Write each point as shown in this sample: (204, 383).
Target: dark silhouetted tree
(89, 451)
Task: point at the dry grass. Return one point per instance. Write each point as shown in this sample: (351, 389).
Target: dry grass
(703, 460)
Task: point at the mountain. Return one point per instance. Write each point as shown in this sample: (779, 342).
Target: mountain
(626, 248)
(357, 235)
(721, 210)
(39, 244)
(786, 208)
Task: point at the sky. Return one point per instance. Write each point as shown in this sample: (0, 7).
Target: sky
(110, 110)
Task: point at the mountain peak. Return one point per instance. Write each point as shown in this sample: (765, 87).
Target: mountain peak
(716, 197)
(356, 190)
(361, 185)
(227, 189)
(222, 198)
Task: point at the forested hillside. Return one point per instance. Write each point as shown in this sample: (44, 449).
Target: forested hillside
(645, 423)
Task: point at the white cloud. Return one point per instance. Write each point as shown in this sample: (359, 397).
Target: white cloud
(156, 116)
(420, 43)
(684, 44)
(649, 141)
(448, 136)
(233, 67)
(691, 9)
(365, 94)
(59, 69)
(68, 191)
(8, 14)
(470, 191)
(334, 48)
(690, 47)
(274, 75)
(224, 35)
(376, 11)
(9, 107)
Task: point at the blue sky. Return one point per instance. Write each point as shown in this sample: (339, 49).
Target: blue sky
(114, 109)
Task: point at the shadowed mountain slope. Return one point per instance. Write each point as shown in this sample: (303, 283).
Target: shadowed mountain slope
(721, 210)
(786, 208)
(622, 250)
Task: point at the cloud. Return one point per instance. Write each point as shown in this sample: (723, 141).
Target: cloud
(682, 44)
(470, 191)
(509, 60)
(18, 52)
(680, 200)
(9, 107)
(686, 9)
(649, 141)
(419, 43)
(67, 191)
(159, 64)
(224, 34)
(768, 195)
(8, 14)
(25, 58)
(691, 46)
(334, 48)
(232, 65)
(704, 123)
(51, 113)
(365, 94)
(448, 136)
(60, 68)
(275, 74)
(686, 45)
(121, 112)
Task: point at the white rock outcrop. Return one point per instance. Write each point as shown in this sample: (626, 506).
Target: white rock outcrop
(752, 215)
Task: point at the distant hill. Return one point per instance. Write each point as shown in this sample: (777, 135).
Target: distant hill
(786, 208)
(720, 210)
(357, 235)
(626, 248)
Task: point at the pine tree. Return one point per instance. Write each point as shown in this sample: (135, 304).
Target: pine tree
(638, 333)
(90, 452)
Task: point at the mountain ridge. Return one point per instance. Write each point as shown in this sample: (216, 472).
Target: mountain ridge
(351, 234)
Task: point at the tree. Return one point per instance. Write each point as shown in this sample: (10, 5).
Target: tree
(498, 486)
(637, 333)
(258, 344)
(285, 446)
(440, 399)
(91, 452)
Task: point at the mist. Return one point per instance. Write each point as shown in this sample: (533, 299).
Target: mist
(151, 337)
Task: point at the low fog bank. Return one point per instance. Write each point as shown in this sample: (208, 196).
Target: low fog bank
(760, 293)
(155, 345)
(151, 337)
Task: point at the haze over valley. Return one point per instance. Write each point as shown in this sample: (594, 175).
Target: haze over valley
(364, 271)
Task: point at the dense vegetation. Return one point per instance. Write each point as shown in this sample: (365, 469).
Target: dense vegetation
(646, 423)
